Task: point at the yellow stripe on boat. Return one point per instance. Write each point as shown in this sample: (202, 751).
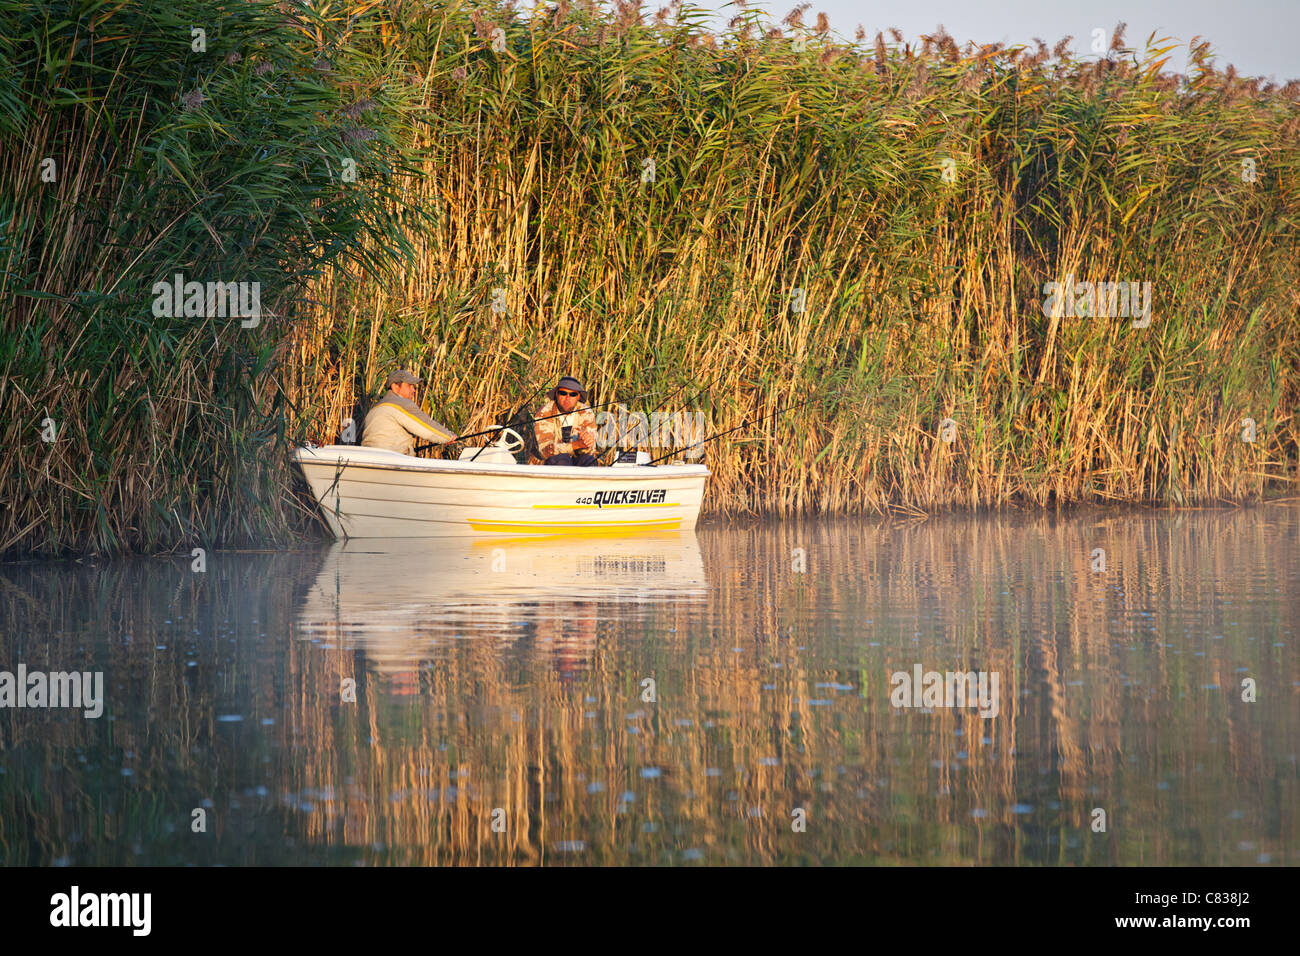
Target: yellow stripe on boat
(583, 527)
(661, 504)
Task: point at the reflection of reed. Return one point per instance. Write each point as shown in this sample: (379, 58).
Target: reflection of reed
(65, 790)
(1029, 607)
(536, 709)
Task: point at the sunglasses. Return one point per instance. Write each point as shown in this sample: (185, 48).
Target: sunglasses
(566, 393)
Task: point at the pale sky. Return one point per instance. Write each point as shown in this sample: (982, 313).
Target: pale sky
(1260, 37)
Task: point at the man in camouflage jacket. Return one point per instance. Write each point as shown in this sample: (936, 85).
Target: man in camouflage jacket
(569, 438)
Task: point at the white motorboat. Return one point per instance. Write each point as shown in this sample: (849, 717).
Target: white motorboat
(374, 493)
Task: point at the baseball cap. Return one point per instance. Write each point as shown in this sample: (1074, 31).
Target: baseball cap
(402, 376)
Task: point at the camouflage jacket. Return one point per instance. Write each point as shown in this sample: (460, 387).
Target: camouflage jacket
(550, 431)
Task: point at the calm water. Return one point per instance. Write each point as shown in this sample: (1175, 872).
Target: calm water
(500, 713)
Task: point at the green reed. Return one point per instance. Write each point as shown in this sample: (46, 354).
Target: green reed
(919, 197)
(136, 149)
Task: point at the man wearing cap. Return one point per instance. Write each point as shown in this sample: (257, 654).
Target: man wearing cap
(568, 438)
(396, 421)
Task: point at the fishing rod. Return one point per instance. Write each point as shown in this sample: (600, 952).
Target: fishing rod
(424, 446)
(622, 431)
(529, 421)
(619, 438)
(511, 418)
(744, 424)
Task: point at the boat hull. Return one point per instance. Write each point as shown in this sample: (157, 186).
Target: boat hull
(371, 493)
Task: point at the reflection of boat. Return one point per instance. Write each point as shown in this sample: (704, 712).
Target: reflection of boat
(372, 493)
(369, 578)
(394, 599)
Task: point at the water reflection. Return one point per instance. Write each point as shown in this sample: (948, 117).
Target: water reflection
(501, 711)
(397, 602)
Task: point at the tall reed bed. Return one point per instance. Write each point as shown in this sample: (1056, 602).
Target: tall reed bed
(864, 223)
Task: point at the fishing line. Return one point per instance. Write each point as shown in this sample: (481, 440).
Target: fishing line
(744, 424)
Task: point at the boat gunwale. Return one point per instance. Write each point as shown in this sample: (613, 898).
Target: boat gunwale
(569, 472)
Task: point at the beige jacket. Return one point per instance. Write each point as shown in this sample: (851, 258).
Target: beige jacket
(550, 431)
(395, 422)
